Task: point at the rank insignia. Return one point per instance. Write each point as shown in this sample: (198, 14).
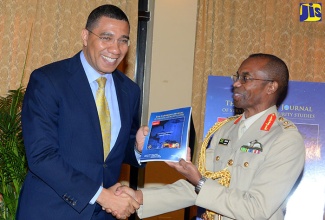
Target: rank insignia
(252, 147)
(224, 141)
(268, 122)
(238, 119)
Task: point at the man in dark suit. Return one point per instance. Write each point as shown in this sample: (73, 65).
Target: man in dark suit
(69, 176)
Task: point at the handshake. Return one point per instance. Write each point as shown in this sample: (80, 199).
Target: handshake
(122, 201)
(119, 200)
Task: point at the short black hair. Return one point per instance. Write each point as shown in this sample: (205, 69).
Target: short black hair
(276, 69)
(110, 11)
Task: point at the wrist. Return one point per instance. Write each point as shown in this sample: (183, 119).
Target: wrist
(101, 197)
(139, 196)
(136, 149)
(200, 184)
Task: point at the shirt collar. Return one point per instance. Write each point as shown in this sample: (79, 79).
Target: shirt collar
(249, 121)
(91, 73)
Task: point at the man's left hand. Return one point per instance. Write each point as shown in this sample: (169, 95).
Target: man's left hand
(187, 169)
(140, 136)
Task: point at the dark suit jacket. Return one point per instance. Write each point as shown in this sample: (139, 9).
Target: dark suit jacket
(64, 145)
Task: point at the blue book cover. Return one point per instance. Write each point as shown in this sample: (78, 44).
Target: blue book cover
(168, 135)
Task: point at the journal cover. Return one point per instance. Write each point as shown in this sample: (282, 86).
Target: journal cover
(168, 135)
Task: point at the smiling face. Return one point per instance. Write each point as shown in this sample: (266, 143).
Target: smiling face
(104, 57)
(254, 96)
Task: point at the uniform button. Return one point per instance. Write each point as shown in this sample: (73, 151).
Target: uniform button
(105, 165)
(217, 158)
(230, 162)
(246, 164)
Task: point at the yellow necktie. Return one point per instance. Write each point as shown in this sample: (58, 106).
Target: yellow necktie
(104, 115)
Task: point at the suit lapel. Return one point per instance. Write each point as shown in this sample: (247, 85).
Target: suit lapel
(80, 86)
(123, 100)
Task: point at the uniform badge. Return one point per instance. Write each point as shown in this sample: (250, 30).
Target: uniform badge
(252, 147)
(224, 141)
(268, 122)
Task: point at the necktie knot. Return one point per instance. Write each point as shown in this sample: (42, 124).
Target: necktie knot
(101, 82)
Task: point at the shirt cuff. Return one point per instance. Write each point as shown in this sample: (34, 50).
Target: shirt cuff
(93, 200)
(137, 155)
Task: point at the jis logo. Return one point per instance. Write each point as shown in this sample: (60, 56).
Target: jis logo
(310, 12)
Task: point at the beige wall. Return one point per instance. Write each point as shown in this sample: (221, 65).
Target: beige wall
(172, 54)
(168, 76)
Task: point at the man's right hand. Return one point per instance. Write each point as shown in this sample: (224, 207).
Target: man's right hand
(121, 206)
(136, 194)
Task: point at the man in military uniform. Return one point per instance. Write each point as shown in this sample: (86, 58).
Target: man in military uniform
(252, 162)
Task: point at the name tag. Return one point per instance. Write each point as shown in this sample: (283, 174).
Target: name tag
(224, 141)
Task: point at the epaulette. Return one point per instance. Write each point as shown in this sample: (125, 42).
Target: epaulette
(286, 124)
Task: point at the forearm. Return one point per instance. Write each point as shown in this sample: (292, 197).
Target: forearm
(171, 197)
